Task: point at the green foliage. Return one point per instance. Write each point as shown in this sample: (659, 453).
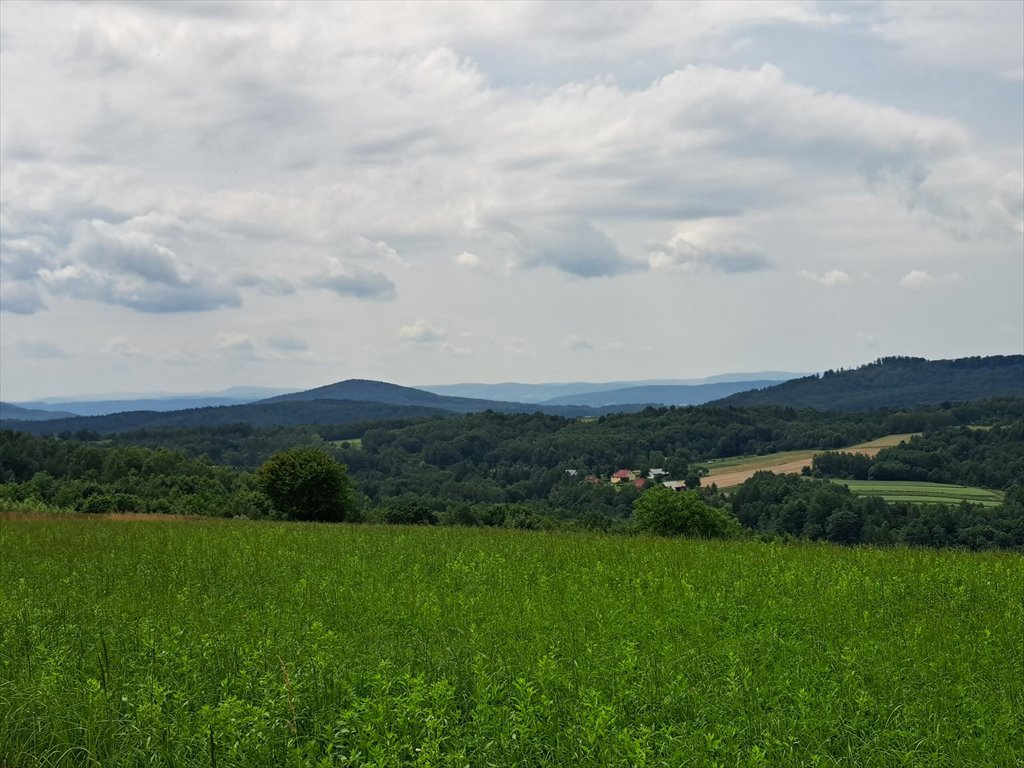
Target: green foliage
(681, 513)
(237, 644)
(107, 478)
(819, 509)
(307, 484)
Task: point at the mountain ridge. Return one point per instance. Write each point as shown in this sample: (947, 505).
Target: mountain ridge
(895, 382)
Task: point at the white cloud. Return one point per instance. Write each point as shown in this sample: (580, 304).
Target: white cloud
(829, 279)
(920, 279)
(690, 252)
(421, 332)
(470, 260)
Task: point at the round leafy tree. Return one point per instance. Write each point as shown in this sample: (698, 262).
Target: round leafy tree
(307, 484)
(666, 512)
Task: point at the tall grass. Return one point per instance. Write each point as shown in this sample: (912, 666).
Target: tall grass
(214, 643)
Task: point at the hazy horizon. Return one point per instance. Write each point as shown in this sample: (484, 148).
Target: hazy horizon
(196, 196)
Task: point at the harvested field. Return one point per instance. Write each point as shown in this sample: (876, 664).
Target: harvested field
(727, 473)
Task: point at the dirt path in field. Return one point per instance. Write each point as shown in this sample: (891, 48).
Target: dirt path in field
(727, 477)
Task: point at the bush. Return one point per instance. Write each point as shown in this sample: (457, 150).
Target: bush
(307, 484)
(681, 513)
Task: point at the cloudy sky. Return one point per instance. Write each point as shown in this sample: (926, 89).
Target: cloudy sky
(200, 194)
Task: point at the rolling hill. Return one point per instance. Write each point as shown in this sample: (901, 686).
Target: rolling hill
(9, 411)
(394, 394)
(257, 414)
(896, 382)
(340, 403)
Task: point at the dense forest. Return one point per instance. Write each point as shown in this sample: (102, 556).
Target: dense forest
(530, 470)
(903, 382)
(990, 458)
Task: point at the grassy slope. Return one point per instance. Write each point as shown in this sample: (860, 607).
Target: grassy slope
(140, 641)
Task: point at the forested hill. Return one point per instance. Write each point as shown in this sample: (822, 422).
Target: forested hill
(393, 394)
(263, 414)
(342, 403)
(896, 382)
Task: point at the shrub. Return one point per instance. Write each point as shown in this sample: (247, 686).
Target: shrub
(307, 484)
(681, 513)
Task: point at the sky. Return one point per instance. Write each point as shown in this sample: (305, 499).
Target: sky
(196, 195)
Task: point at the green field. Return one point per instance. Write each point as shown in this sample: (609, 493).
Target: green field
(160, 642)
(351, 442)
(924, 493)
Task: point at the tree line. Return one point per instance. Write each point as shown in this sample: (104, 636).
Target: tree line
(510, 469)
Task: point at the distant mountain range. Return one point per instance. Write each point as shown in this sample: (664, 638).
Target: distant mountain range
(8, 411)
(470, 395)
(98, 405)
(890, 382)
(896, 382)
(340, 403)
(659, 394)
(539, 393)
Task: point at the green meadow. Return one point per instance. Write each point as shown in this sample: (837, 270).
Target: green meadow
(924, 493)
(189, 642)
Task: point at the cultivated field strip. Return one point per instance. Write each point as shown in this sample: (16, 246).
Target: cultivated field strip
(728, 473)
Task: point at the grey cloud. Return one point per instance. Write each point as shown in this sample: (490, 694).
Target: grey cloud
(354, 280)
(83, 282)
(127, 267)
(577, 342)
(242, 346)
(38, 349)
(22, 259)
(287, 344)
(269, 285)
(20, 298)
(573, 246)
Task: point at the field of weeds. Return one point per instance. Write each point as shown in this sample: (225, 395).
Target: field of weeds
(216, 643)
